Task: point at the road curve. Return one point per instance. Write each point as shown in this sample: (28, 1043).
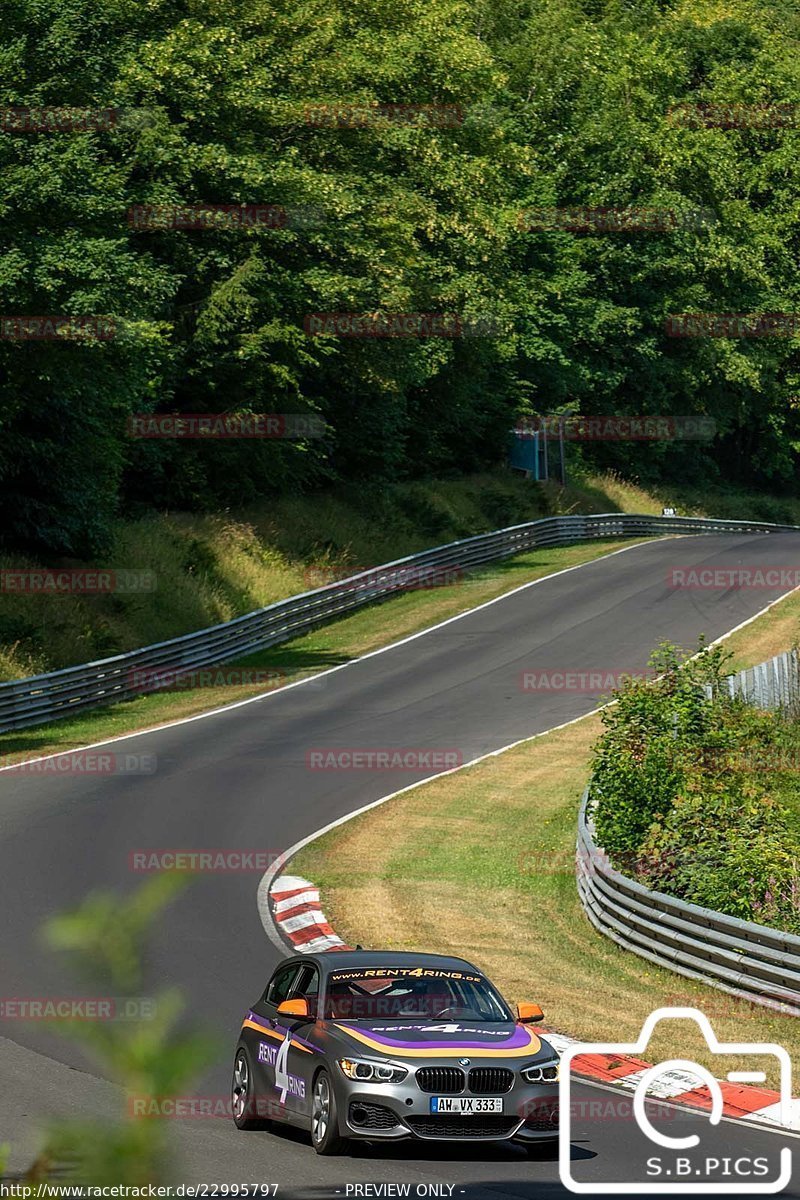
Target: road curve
(239, 779)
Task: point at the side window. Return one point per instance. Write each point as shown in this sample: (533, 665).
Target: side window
(278, 987)
(306, 986)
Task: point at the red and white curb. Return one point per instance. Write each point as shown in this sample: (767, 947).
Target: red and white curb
(297, 914)
(295, 909)
(740, 1101)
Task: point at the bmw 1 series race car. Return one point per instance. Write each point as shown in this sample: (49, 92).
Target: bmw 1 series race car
(383, 1045)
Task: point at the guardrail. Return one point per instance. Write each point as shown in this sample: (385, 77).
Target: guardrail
(772, 684)
(751, 961)
(59, 694)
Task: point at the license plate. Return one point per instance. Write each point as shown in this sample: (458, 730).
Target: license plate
(466, 1106)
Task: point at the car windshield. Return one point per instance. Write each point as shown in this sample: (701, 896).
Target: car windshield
(410, 993)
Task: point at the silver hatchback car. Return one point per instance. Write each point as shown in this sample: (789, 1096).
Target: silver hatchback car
(383, 1045)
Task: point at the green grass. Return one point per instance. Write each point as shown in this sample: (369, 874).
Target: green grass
(771, 634)
(618, 494)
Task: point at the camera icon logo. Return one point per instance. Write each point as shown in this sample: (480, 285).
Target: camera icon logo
(686, 1164)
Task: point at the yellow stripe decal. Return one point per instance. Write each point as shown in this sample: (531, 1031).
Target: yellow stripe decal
(272, 1033)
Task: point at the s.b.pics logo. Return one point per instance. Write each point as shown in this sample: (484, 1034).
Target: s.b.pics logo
(674, 1143)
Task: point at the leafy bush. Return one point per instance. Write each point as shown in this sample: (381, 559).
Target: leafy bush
(651, 735)
(727, 845)
(151, 1057)
(698, 796)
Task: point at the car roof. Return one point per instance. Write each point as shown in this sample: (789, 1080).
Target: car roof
(335, 960)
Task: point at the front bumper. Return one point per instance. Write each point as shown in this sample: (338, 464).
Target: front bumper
(391, 1112)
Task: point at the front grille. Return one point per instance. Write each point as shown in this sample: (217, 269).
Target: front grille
(372, 1116)
(490, 1081)
(440, 1081)
(462, 1127)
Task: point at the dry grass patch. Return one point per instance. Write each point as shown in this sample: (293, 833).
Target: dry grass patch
(776, 631)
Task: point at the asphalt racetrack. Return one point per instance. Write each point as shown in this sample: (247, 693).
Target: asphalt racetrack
(240, 779)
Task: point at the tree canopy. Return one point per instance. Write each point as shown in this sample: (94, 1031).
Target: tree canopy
(542, 108)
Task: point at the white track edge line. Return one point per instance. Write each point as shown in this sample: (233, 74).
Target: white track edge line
(760, 1125)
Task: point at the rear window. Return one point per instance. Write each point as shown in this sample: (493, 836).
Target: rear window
(409, 993)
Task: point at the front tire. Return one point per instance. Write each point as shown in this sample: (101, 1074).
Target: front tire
(325, 1136)
(244, 1102)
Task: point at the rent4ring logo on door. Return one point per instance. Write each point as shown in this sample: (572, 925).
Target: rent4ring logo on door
(695, 1155)
(278, 1057)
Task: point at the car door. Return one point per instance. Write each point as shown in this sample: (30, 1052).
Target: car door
(294, 1065)
(268, 1040)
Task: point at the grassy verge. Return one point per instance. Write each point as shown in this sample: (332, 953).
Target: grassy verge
(771, 634)
(207, 569)
(481, 864)
(329, 646)
(618, 494)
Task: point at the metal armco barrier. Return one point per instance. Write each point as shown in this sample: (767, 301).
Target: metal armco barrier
(58, 694)
(771, 684)
(748, 960)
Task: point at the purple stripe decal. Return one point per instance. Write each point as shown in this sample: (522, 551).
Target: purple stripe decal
(517, 1040)
(283, 1029)
(257, 1020)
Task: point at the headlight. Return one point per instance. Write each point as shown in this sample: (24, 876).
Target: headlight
(544, 1072)
(372, 1070)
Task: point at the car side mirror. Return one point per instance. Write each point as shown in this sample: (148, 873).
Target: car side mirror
(527, 1014)
(293, 1008)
